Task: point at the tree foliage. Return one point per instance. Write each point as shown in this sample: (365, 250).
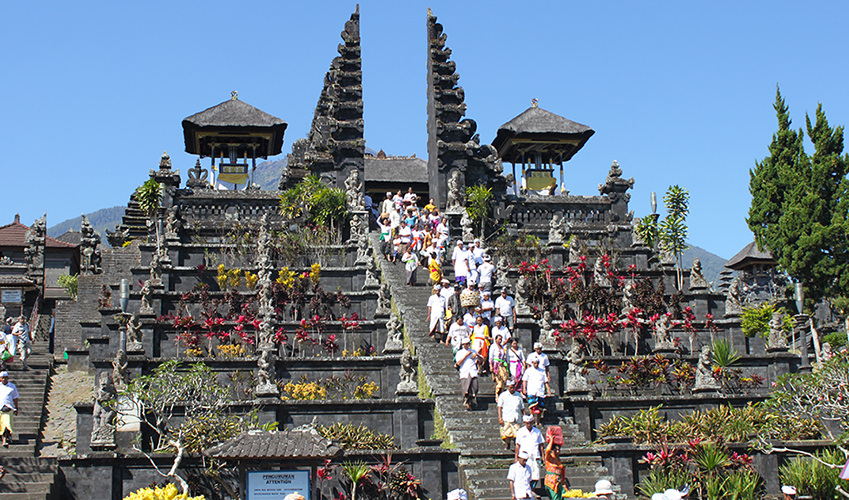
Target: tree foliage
(800, 202)
(149, 197)
(316, 202)
(478, 199)
(670, 234)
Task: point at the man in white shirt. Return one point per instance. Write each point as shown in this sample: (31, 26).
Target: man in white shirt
(505, 307)
(500, 329)
(405, 233)
(529, 440)
(544, 363)
(456, 333)
(8, 407)
(460, 258)
(466, 361)
(535, 387)
(486, 271)
(478, 252)
(509, 412)
(519, 474)
(487, 306)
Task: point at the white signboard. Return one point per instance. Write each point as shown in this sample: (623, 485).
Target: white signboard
(276, 484)
(11, 296)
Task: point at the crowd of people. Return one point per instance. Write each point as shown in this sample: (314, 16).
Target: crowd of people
(15, 340)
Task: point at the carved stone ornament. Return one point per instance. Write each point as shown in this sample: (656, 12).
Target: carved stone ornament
(705, 380)
(90, 257)
(354, 190)
(456, 197)
(103, 417)
(384, 301)
(697, 279)
(266, 373)
(394, 334)
(576, 382)
(408, 384)
(198, 177)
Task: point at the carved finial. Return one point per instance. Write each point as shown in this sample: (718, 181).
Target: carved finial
(18, 218)
(429, 12)
(234, 95)
(357, 11)
(534, 102)
(165, 161)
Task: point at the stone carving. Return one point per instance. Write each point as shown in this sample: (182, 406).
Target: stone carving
(777, 338)
(615, 186)
(384, 301)
(35, 240)
(522, 306)
(667, 258)
(357, 230)
(198, 177)
(555, 229)
(468, 227)
(156, 265)
(6, 261)
(266, 373)
(705, 380)
(575, 380)
(103, 417)
(146, 292)
(134, 334)
(363, 251)
(354, 190)
(662, 336)
(697, 279)
(627, 299)
(173, 224)
(600, 276)
(502, 268)
(394, 334)
(408, 383)
(105, 300)
(546, 331)
(574, 250)
(89, 254)
(119, 370)
(372, 277)
(733, 304)
(456, 197)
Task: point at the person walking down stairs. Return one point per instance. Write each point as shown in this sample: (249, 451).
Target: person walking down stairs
(8, 407)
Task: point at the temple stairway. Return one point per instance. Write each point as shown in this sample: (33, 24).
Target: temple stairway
(483, 457)
(27, 476)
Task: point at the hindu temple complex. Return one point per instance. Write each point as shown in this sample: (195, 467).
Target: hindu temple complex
(215, 273)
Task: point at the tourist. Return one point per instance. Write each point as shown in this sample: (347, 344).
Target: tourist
(603, 489)
(8, 407)
(460, 259)
(466, 362)
(469, 318)
(505, 307)
(543, 359)
(499, 329)
(480, 343)
(486, 273)
(436, 314)
(411, 263)
(555, 480)
(23, 338)
(509, 411)
(515, 360)
(498, 364)
(411, 217)
(487, 306)
(456, 333)
(431, 206)
(387, 205)
(789, 492)
(529, 439)
(535, 387)
(519, 474)
(385, 238)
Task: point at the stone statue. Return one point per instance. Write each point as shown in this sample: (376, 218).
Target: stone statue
(35, 241)
(134, 334)
(156, 268)
(697, 279)
(627, 300)
(363, 251)
(705, 380)
(173, 224)
(357, 232)
(600, 276)
(575, 380)
(119, 370)
(103, 417)
(546, 331)
(105, 300)
(89, 254)
(777, 338)
(384, 301)
(408, 383)
(372, 278)
(522, 306)
(266, 373)
(146, 292)
(468, 227)
(354, 190)
(574, 250)
(456, 198)
(502, 268)
(394, 334)
(662, 337)
(6, 261)
(555, 229)
(733, 304)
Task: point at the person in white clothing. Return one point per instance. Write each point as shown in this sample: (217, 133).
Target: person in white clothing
(436, 314)
(486, 271)
(505, 307)
(500, 329)
(466, 361)
(509, 412)
(544, 362)
(456, 333)
(519, 474)
(460, 259)
(529, 440)
(535, 388)
(486, 307)
(8, 407)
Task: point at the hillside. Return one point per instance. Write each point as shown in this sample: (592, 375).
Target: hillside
(103, 219)
(712, 264)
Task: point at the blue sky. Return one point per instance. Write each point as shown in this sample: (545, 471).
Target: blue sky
(677, 92)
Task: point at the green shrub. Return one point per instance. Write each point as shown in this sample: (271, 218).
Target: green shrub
(755, 320)
(661, 479)
(69, 284)
(813, 478)
(836, 340)
(352, 437)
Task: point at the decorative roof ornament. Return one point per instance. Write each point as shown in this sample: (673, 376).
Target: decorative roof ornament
(534, 102)
(165, 161)
(234, 95)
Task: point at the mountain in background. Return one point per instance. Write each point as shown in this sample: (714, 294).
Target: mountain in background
(101, 220)
(712, 264)
(267, 174)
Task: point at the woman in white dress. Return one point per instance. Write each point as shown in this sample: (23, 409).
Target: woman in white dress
(436, 314)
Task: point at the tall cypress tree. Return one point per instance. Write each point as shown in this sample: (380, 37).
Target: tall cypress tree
(799, 204)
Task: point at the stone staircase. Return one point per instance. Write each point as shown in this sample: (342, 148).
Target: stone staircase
(29, 477)
(475, 435)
